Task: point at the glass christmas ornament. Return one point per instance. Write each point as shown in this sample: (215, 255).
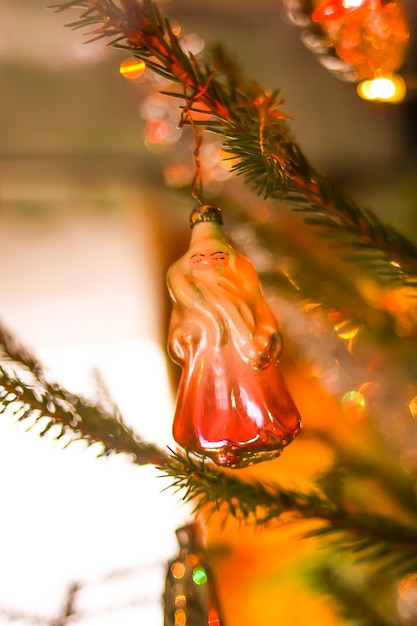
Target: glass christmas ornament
(232, 405)
(370, 35)
(336, 9)
(190, 597)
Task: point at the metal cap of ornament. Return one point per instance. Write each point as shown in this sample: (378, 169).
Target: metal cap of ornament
(205, 213)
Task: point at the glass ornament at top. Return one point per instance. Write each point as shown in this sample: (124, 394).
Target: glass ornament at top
(370, 35)
(190, 597)
(232, 405)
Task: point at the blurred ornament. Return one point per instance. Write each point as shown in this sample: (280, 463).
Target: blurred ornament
(357, 40)
(370, 35)
(190, 597)
(233, 405)
(335, 9)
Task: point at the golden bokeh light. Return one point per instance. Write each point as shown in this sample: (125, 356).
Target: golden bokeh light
(390, 88)
(413, 407)
(407, 583)
(178, 569)
(132, 68)
(180, 617)
(353, 406)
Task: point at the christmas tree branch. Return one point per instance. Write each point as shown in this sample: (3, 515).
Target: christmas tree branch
(380, 468)
(26, 394)
(371, 534)
(352, 603)
(254, 132)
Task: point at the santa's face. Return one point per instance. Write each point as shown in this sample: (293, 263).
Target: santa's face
(208, 259)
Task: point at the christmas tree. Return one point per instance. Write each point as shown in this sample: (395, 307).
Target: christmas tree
(325, 534)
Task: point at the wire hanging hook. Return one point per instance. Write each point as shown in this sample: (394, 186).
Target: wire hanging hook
(186, 116)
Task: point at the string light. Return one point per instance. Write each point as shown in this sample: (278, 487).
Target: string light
(132, 68)
(353, 406)
(178, 569)
(180, 617)
(390, 88)
(199, 576)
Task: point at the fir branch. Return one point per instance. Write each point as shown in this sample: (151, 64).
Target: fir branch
(27, 395)
(382, 467)
(254, 131)
(373, 536)
(352, 603)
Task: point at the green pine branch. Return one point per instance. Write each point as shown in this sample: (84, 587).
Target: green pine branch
(28, 396)
(353, 604)
(26, 393)
(372, 536)
(254, 131)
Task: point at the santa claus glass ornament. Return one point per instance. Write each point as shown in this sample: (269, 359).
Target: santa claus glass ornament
(232, 405)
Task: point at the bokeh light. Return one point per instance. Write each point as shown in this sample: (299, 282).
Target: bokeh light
(407, 598)
(156, 131)
(132, 68)
(353, 406)
(178, 569)
(178, 175)
(383, 89)
(413, 407)
(199, 576)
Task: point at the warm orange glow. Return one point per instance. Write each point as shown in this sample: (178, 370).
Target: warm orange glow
(178, 175)
(132, 68)
(345, 330)
(353, 406)
(370, 36)
(390, 88)
(156, 131)
(176, 28)
(180, 600)
(406, 584)
(180, 617)
(178, 569)
(192, 560)
(198, 112)
(213, 618)
(413, 407)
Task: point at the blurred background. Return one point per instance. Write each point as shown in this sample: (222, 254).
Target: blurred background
(92, 213)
